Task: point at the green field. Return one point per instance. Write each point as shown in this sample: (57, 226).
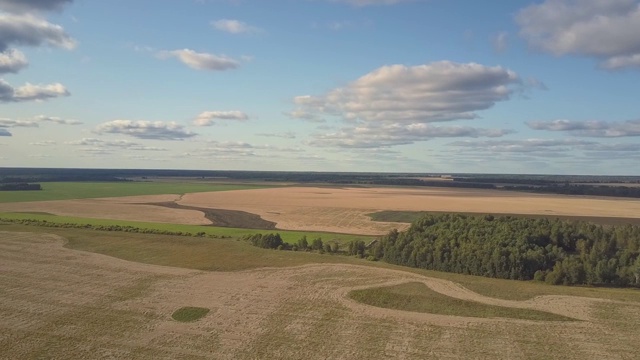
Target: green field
(417, 297)
(86, 190)
(287, 236)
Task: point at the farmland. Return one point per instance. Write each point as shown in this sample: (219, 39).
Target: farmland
(329, 209)
(74, 293)
(58, 302)
(85, 190)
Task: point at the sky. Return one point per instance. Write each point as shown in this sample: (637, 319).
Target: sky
(424, 86)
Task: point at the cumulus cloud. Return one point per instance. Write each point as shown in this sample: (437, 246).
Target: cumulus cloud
(201, 61)
(143, 129)
(31, 92)
(393, 105)
(21, 6)
(590, 128)
(31, 31)
(56, 120)
(12, 61)
(607, 30)
(9, 123)
(397, 134)
(234, 26)
(439, 91)
(208, 118)
(6, 123)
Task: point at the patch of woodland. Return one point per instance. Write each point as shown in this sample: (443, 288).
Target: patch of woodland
(552, 250)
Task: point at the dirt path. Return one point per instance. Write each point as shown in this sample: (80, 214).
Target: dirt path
(60, 303)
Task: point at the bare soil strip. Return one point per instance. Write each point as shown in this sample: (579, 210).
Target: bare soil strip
(61, 303)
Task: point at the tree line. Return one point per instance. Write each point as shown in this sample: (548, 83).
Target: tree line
(274, 241)
(589, 190)
(20, 187)
(555, 251)
(118, 228)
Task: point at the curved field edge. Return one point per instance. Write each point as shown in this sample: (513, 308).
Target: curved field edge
(288, 236)
(88, 190)
(232, 255)
(418, 297)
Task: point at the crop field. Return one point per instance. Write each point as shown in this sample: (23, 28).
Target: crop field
(223, 232)
(87, 190)
(58, 302)
(346, 210)
(321, 209)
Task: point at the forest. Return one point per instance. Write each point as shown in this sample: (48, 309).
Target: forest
(20, 187)
(555, 251)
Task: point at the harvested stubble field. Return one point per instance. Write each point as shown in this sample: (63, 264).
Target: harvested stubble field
(328, 209)
(345, 210)
(61, 303)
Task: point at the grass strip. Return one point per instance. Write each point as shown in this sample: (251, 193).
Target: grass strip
(288, 236)
(87, 190)
(417, 297)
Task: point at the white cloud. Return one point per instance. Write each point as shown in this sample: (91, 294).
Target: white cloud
(234, 26)
(20, 6)
(56, 120)
(5, 123)
(397, 134)
(30, 30)
(31, 92)
(592, 128)
(201, 61)
(12, 61)
(208, 118)
(439, 91)
(142, 129)
(605, 29)
(393, 105)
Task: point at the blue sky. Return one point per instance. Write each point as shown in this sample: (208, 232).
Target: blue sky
(322, 85)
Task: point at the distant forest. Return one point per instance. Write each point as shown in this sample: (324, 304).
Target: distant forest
(554, 251)
(19, 187)
(550, 184)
